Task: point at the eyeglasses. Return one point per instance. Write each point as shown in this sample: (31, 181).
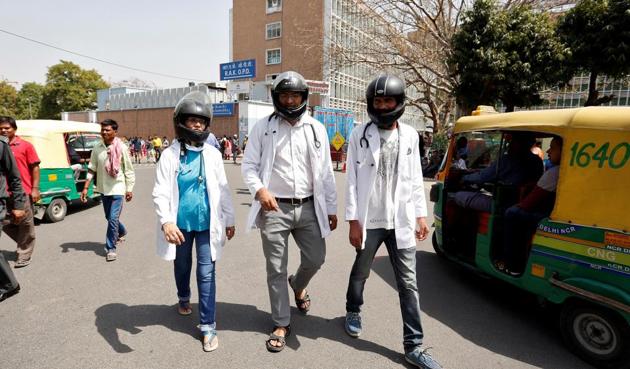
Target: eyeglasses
(194, 120)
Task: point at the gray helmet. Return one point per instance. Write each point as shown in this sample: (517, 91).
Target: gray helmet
(193, 104)
(385, 85)
(289, 82)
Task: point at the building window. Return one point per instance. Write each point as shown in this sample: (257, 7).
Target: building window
(274, 30)
(269, 78)
(274, 56)
(274, 6)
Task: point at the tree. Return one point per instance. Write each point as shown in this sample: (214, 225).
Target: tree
(407, 38)
(8, 97)
(598, 34)
(29, 100)
(506, 55)
(69, 88)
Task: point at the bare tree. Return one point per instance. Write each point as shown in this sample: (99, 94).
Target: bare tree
(411, 39)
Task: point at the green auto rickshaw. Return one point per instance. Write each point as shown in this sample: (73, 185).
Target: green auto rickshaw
(64, 148)
(578, 258)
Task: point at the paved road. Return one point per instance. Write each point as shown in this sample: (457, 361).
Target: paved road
(77, 311)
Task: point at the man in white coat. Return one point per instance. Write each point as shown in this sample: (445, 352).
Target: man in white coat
(288, 170)
(385, 203)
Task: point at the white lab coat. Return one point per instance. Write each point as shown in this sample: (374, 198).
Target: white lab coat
(166, 198)
(362, 166)
(258, 160)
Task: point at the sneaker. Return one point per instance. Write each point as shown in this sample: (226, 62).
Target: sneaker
(111, 255)
(421, 359)
(209, 340)
(22, 263)
(353, 324)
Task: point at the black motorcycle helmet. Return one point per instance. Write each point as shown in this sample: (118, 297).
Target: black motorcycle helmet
(193, 104)
(385, 85)
(289, 82)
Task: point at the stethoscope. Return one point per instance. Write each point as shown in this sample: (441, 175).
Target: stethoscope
(363, 138)
(315, 139)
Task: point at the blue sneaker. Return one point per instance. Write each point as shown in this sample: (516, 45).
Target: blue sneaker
(353, 324)
(421, 359)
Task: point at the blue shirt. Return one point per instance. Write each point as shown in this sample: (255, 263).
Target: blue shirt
(194, 204)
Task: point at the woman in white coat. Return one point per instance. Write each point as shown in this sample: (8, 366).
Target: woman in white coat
(193, 203)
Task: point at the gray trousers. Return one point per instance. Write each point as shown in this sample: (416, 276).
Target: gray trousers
(301, 222)
(23, 233)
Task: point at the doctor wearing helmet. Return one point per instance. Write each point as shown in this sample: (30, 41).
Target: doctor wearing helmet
(385, 203)
(287, 168)
(194, 205)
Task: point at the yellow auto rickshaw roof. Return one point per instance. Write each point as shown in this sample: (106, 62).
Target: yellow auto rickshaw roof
(595, 165)
(41, 127)
(47, 136)
(552, 121)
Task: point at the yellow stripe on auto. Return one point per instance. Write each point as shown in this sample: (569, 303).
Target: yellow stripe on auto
(602, 254)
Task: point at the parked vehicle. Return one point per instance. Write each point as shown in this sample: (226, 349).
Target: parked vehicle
(60, 181)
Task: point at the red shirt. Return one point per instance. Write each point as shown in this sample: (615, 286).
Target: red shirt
(25, 157)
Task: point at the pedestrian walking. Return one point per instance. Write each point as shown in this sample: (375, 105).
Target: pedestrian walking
(288, 170)
(157, 147)
(227, 151)
(111, 164)
(11, 190)
(193, 202)
(27, 161)
(385, 203)
(235, 148)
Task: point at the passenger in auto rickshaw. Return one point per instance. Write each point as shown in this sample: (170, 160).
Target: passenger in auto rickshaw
(517, 167)
(522, 219)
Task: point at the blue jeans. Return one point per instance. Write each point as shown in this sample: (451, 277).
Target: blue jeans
(205, 275)
(404, 264)
(115, 229)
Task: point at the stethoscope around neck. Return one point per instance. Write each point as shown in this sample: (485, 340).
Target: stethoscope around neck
(315, 139)
(364, 139)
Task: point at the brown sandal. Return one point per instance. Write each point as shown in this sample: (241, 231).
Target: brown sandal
(280, 339)
(184, 308)
(303, 304)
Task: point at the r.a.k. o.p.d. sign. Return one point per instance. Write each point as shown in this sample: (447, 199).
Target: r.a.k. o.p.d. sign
(238, 69)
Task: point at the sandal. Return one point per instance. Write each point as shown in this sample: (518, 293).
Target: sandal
(303, 304)
(280, 339)
(184, 308)
(209, 340)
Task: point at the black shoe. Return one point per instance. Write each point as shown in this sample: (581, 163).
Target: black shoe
(7, 294)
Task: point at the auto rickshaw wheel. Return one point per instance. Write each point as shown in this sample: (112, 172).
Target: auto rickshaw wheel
(596, 334)
(56, 210)
(436, 247)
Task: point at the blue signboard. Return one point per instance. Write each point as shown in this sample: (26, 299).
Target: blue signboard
(223, 110)
(238, 69)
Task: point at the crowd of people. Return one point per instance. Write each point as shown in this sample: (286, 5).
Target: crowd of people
(146, 150)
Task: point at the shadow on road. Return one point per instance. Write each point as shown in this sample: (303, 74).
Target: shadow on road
(231, 317)
(488, 313)
(95, 247)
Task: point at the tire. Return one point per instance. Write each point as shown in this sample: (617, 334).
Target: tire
(56, 210)
(596, 334)
(436, 247)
